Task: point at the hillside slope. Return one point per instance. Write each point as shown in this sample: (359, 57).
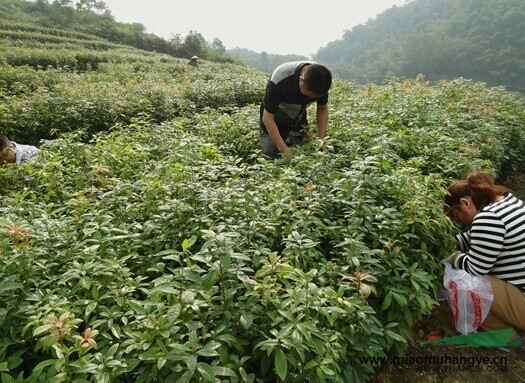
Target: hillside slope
(481, 40)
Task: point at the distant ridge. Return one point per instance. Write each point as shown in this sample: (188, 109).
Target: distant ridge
(482, 40)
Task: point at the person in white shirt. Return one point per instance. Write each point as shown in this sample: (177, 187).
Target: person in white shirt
(11, 152)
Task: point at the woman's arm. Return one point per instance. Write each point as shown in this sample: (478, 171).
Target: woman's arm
(487, 236)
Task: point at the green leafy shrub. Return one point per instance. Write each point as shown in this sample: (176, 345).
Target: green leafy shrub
(150, 242)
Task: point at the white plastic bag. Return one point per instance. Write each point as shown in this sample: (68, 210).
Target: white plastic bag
(469, 297)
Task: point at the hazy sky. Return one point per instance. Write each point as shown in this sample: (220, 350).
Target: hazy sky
(274, 26)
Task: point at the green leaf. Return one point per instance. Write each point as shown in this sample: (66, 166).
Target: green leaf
(150, 354)
(225, 260)
(85, 282)
(327, 370)
(193, 276)
(224, 371)
(187, 243)
(90, 308)
(309, 365)
(191, 362)
(42, 329)
(132, 363)
(395, 336)
(7, 378)
(164, 288)
(161, 362)
(62, 377)
(136, 306)
(206, 371)
(209, 349)
(401, 300)
(184, 378)
(112, 350)
(95, 292)
(281, 364)
(3, 366)
(8, 286)
(387, 301)
(14, 362)
(115, 330)
(179, 348)
(89, 368)
(246, 320)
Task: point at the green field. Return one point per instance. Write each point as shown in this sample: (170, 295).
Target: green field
(150, 242)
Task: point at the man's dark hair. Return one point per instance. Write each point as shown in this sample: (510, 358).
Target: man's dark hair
(317, 79)
(4, 143)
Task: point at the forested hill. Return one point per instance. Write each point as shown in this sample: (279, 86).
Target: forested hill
(483, 40)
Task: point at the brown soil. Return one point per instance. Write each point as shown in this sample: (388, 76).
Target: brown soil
(446, 367)
(510, 369)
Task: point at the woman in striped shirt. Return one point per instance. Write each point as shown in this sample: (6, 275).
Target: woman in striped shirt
(494, 245)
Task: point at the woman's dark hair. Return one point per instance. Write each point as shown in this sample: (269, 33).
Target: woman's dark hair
(4, 142)
(317, 79)
(477, 186)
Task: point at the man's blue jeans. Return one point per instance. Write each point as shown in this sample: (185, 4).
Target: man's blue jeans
(269, 148)
(267, 145)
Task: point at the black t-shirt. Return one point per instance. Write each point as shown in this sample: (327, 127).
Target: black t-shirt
(284, 99)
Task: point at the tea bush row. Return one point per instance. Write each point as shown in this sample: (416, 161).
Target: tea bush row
(37, 39)
(39, 104)
(60, 56)
(18, 27)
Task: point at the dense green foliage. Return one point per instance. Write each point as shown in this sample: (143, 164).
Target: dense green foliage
(481, 40)
(150, 242)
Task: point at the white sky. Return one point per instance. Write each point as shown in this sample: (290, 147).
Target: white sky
(274, 26)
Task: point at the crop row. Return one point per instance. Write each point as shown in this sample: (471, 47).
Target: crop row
(37, 104)
(32, 40)
(78, 59)
(31, 29)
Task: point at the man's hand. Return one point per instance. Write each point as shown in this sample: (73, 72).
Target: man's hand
(287, 153)
(322, 145)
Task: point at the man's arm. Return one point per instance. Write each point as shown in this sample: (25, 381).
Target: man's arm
(322, 120)
(268, 120)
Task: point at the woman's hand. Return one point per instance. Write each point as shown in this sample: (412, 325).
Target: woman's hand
(454, 257)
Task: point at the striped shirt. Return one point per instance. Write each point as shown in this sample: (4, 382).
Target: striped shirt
(495, 243)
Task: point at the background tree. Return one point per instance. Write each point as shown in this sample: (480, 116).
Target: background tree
(92, 5)
(218, 45)
(194, 45)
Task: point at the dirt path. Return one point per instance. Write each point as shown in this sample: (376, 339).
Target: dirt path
(443, 363)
